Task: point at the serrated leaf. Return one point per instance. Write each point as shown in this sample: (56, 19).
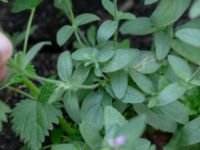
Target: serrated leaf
(36, 122)
(65, 66)
(163, 44)
(120, 60)
(92, 109)
(4, 109)
(171, 93)
(119, 83)
(106, 31)
(189, 35)
(33, 52)
(142, 81)
(71, 104)
(85, 19)
(63, 34)
(180, 67)
(138, 26)
(133, 96)
(169, 11)
(91, 135)
(21, 5)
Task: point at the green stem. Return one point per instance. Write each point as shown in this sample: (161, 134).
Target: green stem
(194, 75)
(71, 14)
(28, 30)
(66, 126)
(31, 86)
(83, 37)
(78, 38)
(117, 21)
(22, 92)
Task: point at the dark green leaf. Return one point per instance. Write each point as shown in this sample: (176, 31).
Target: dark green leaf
(71, 104)
(119, 83)
(21, 5)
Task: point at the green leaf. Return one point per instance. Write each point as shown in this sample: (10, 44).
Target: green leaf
(162, 43)
(143, 82)
(141, 144)
(146, 63)
(189, 35)
(190, 52)
(63, 34)
(63, 147)
(126, 16)
(188, 135)
(149, 2)
(194, 10)
(33, 52)
(105, 55)
(121, 59)
(21, 5)
(106, 31)
(169, 11)
(113, 117)
(109, 6)
(71, 104)
(85, 19)
(91, 135)
(83, 54)
(62, 5)
(91, 35)
(36, 122)
(156, 120)
(132, 129)
(56, 95)
(4, 1)
(4, 109)
(171, 93)
(133, 96)
(65, 66)
(92, 109)
(180, 67)
(45, 92)
(138, 26)
(119, 83)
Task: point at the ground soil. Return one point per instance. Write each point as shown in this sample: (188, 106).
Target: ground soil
(49, 20)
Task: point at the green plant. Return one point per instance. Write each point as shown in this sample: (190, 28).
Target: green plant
(104, 77)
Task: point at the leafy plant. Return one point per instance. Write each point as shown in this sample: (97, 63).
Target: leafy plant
(109, 90)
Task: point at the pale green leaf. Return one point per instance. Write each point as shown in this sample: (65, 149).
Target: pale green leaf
(138, 26)
(169, 11)
(85, 19)
(133, 96)
(194, 10)
(121, 59)
(171, 93)
(63, 34)
(65, 66)
(4, 109)
(63, 147)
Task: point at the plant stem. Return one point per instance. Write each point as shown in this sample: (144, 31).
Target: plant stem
(22, 92)
(194, 75)
(66, 126)
(31, 86)
(72, 19)
(28, 30)
(117, 21)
